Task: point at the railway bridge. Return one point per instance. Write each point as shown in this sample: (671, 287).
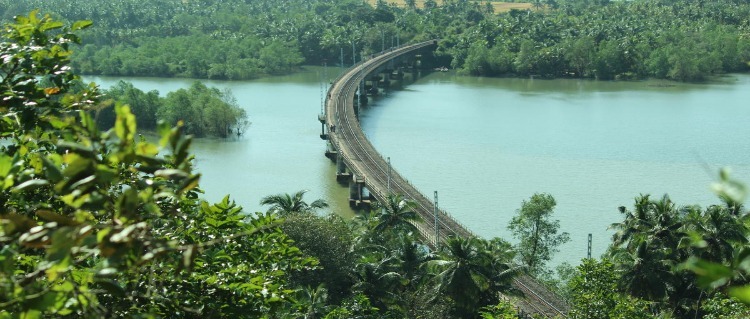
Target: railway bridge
(371, 177)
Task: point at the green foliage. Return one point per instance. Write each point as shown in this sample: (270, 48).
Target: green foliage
(286, 205)
(99, 224)
(595, 294)
(204, 111)
(682, 40)
(722, 307)
(143, 105)
(329, 240)
(537, 232)
(472, 272)
(397, 215)
(503, 310)
(658, 243)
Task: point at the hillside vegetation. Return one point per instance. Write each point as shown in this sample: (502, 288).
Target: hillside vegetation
(686, 40)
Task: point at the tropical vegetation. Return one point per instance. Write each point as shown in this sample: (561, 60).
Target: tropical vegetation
(685, 40)
(104, 224)
(202, 111)
(99, 222)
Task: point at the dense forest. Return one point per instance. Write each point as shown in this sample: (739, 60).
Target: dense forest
(686, 40)
(100, 223)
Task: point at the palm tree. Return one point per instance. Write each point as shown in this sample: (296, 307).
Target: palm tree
(310, 303)
(375, 278)
(631, 229)
(720, 229)
(285, 204)
(397, 214)
(646, 272)
(469, 274)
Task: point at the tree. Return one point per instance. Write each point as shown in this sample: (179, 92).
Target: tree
(470, 275)
(99, 224)
(537, 233)
(285, 204)
(397, 214)
(204, 111)
(329, 240)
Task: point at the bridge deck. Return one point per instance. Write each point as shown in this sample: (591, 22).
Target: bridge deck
(366, 163)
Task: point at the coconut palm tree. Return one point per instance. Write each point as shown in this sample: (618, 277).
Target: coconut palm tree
(285, 204)
(470, 275)
(397, 214)
(636, 223)
(720, 230)
(645, 272)
(375, 278)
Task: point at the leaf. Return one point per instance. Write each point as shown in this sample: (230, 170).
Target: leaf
(85, 151)
(31, 184)
(81, 24)
(189, 183)
(709, 274)
(741, 293)
(171, 173)
(111, 287)
(51, 216)
(124, 123)
(6, 163)
(52, 171)
(16, 223)
(188, 257)
(147, 149)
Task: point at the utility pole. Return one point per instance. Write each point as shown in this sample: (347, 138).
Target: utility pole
(342, 56)
(437, 228)
(589, 251)
(354, 55)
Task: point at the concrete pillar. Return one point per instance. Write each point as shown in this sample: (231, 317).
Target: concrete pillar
(340, 165)
(355, 191)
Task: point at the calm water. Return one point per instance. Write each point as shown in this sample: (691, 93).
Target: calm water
(487, 144)
(281, 151)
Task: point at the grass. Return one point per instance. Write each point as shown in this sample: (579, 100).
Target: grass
(497, 5)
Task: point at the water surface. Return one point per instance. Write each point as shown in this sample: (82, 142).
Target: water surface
(487, 144)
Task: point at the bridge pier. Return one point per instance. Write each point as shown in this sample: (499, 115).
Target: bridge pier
(331, 152)
(357, 198)
(323, 133)
(341, 173)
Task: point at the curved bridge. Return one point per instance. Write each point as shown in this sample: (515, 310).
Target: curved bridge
(364, 168)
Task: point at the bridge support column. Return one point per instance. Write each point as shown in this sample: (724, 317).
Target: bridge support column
(331, 152)
(357, 197)
(341, 174)
(386, 78)
(323, 133)
(362, 94)
(373, 89)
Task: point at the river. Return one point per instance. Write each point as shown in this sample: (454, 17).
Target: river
(486, 144)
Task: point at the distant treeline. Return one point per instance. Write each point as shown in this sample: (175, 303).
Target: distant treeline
(684, 40)
(203, 111)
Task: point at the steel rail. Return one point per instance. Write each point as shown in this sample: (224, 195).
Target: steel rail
(363, 160)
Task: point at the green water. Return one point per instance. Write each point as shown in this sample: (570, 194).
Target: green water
(487, 144)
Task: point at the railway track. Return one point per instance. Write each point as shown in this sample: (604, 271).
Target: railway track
(364, 161)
